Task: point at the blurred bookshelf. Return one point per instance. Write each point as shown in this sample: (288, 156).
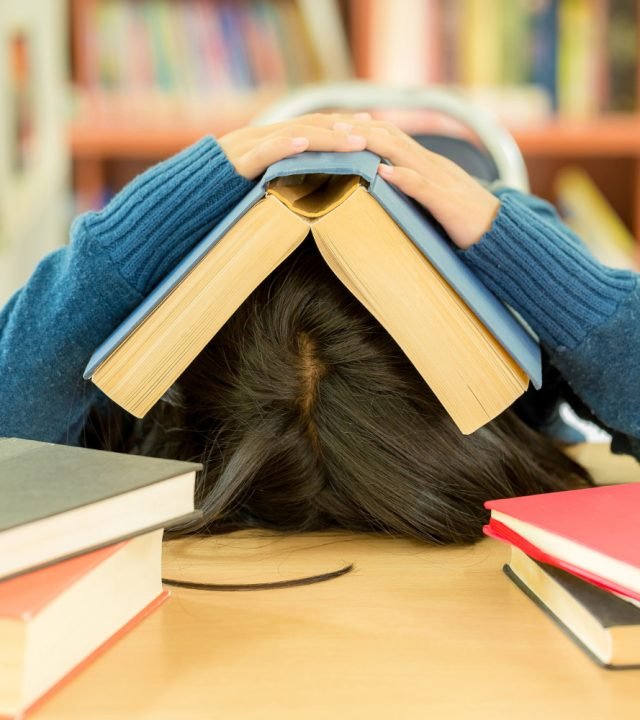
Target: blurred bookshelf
(152, 76)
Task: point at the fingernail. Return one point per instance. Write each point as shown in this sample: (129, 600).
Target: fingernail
(342, 126)
(362, 116)
(300, 143)
(385, 170)
(356, 141)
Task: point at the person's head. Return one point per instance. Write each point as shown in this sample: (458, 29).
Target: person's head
(307, 415)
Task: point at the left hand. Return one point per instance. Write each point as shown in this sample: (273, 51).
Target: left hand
(252, 149)
(464, 208)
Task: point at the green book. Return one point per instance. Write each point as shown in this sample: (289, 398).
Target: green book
(60, 501)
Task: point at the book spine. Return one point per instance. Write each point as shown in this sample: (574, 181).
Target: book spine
(481, 43)
(545, 49)
(623, 56)
(577, 90)
(327, 40)
(136, 620)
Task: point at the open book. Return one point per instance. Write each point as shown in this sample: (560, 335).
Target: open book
(471, 350)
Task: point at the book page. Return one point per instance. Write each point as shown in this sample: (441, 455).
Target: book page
(156, 353)
(465, 366)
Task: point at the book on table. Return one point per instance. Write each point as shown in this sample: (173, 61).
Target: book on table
(601, 622)
(55, 620)
(592, 533)
(60, 501)
(473, 352)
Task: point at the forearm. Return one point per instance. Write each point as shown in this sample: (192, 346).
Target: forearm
(79, 294)
(585, 313)
(49, 329)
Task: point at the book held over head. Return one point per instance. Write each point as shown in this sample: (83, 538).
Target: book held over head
(473, 352)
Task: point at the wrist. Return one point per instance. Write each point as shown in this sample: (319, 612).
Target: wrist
(538, 267)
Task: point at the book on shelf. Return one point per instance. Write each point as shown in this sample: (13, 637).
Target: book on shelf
(583, 54)
(152, 61)
(592, 533)
(472, 351)
(55, 620)
(622, 40)
(60, 501)
(401, 41)
(588, 212)
(602, 623)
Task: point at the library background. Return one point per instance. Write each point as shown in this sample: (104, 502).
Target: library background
(94, 91)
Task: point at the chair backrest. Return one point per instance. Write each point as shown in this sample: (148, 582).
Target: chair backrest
(498, 158)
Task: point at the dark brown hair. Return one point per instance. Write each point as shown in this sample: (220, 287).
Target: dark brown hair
(307, 415)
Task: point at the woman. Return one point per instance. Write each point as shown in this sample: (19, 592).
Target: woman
(305, 412)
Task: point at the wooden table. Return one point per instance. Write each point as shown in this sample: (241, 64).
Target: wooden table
(412, 632)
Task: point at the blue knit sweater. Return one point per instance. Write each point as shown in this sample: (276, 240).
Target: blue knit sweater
(587, 316)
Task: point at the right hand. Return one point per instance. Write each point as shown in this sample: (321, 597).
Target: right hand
(252, 149)
(464, 208)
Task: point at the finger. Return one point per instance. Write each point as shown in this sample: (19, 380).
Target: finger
(388, 141)
(409, 181)
(258, 157)
(326, 120)
(291, 141)
(321, 138)
(241, 141)
(318, 119)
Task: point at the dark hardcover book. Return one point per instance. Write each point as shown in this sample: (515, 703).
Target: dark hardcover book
(623, 56)
(545, 48)
(60, 501)
(603, 624)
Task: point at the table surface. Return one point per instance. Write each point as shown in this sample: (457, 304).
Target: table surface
(411, 632)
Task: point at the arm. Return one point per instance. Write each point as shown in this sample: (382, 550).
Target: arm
(586, 315)
(78, 295)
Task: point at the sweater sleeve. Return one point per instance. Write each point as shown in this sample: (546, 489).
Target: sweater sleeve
(79, 294)
(587, 315)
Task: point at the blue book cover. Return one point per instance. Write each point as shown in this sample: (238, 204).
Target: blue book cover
(545, 48)
(411, 218)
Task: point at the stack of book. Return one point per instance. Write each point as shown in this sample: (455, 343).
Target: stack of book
(577, 555)
(80, 554)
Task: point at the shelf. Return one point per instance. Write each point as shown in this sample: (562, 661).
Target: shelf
(97, 142)
(610, 136)
(153, 127)
(614, 136)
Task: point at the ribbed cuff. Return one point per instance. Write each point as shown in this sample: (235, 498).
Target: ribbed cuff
(536, 265)
(156, 220)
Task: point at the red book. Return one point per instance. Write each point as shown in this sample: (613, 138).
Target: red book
(55, 620)
(593, 533)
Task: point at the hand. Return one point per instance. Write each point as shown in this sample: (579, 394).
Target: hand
(252, 149)
(464, 208)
